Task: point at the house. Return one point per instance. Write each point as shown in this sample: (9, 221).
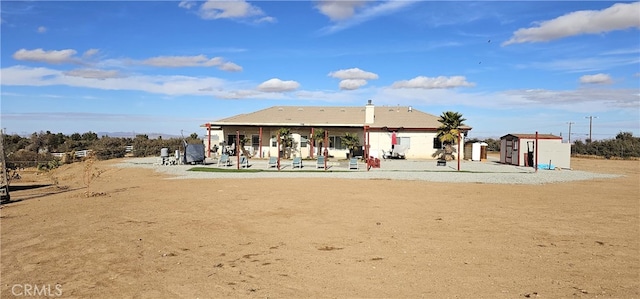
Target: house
(521, 150)
(383, 126)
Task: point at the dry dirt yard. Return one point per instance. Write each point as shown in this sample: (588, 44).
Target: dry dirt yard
(146, 236)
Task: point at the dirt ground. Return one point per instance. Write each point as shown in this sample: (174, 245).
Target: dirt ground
(145, 236)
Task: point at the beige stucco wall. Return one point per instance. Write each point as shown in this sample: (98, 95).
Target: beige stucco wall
(420, 147)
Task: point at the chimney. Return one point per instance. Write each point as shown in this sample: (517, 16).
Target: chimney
(369, 115)
(410, 109)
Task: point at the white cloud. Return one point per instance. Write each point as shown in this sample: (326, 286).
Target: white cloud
(93, 73)
(192, 61)
(90, 53)
(228, 9)
(345, 14)
(351, 84)
(583, 100)
(580, 100)
(237, 94)
(187, 4)
(338, 10)
(618, 16)
(277, 85)
(42, 29)
(214, 9)
(353, 73)
(596, 79)
(53, 56)
(589, 64)
(167, 85)
(440, 82)
(632, 51)
(353, 78)
(230, 67)
(181, 61)
(265, 20)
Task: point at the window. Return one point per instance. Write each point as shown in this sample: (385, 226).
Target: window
(335, 142)
(404, 141)
(231, 139)
(255, 139)
(436, 143)
(274, 141)
(303, 141)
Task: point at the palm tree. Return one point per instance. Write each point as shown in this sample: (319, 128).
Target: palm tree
(286, 141)
(318, 139)
(350, 141)
(243, 141)
(449, 131)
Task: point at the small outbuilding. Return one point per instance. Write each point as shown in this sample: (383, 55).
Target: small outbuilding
(476, 151)
(521, 150)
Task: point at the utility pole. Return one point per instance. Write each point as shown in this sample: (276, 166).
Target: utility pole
(590, 125)
(570, 123)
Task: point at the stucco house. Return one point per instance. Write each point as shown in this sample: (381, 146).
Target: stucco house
(413, 129)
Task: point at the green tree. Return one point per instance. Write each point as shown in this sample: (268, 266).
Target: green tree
(449, 131)
(351, 142)
(38, 143)
(89, 136)
(318, 139)
(142, 146)
(13, 143)
(243, 142)
(109, 148)
(286, 141)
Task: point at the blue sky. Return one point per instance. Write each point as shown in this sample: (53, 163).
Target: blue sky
(170, 66)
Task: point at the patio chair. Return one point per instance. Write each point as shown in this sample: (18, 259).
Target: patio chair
(224, 160)
(297, 162)
(353, 163)
(273, 162)
(320, 162)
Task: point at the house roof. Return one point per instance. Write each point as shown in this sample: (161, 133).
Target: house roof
(533, 136)
(399, 117)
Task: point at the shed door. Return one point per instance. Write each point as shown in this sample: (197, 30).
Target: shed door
(509, 152)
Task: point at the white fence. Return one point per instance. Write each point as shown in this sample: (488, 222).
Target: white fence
(78, 154)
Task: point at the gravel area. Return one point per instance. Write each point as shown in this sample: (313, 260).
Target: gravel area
(489, 172)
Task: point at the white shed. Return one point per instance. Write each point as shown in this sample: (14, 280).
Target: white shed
(476, 151)
(520, 149)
